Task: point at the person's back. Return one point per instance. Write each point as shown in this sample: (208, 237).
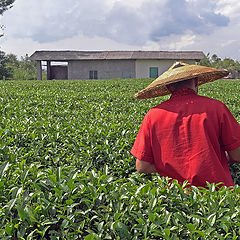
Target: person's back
(185, 138)
(186, 132)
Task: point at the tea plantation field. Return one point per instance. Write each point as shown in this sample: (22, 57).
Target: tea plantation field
(66, 171)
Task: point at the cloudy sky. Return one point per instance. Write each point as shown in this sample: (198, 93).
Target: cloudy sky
(211, 26)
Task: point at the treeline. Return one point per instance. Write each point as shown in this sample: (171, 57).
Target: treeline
(12, 68)
(216, 62)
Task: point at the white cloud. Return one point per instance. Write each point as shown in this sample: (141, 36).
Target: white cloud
(229, 8)
(124, 21)
(207, 25)
(228, 43)
(129, 3)
(22, 46)
(173, 42)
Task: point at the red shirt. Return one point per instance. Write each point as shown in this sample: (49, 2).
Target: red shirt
(186, 138)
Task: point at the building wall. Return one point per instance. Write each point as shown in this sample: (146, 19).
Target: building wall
(143, 66)
(234, 74)
(106, 69)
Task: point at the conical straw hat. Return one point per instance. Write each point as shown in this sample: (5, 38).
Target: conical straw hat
(180, 71)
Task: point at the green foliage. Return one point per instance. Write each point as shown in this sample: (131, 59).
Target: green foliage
(66, 171)
(23, 69)
(4, 71)
(205, 61)
(216, 62)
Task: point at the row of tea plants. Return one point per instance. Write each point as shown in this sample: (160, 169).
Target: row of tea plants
(66, 171)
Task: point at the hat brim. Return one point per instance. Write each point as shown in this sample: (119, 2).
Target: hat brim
(158, 87)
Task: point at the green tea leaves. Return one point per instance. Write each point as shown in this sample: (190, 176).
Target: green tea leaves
(66, 171)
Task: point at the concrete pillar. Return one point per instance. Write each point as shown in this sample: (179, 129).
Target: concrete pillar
(48, 70)
(39, 70)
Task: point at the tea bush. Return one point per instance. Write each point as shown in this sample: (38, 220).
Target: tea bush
(66, 171)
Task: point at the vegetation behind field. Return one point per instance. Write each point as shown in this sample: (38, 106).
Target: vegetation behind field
(66, 171)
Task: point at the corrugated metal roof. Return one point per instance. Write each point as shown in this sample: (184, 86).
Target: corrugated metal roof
(111, 55)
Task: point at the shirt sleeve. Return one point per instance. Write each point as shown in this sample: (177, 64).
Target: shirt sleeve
(230, 131)
(142, 148)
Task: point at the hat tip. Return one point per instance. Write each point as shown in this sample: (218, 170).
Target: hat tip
(177, 65)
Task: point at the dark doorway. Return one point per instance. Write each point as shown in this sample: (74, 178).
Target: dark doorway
(59, 72)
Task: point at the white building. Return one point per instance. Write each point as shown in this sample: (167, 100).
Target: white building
(110, 64)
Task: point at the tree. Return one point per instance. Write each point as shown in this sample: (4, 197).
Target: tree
(4, 71)
(216, 62)
(5, 5)
(23, 69)
(205, 61)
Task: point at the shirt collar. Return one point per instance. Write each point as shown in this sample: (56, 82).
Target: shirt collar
(183, 91)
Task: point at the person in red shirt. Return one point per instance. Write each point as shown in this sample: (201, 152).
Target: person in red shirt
(188, 137)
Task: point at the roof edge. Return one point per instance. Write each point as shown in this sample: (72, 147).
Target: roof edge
(65, 55)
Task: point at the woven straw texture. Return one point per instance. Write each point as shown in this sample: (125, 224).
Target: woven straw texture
(180, 72)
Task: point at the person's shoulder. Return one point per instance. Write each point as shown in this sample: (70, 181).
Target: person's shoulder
(158, 109)
(152, 110)
(159, 106)
(210, 100)
(213, 104)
